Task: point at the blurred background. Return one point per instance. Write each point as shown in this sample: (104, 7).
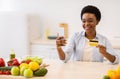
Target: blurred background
(25, 25)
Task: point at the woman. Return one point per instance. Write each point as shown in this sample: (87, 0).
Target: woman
(78, 44)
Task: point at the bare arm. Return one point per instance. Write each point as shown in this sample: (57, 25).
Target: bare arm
(60, 53)
(60, 41)
(103, 51)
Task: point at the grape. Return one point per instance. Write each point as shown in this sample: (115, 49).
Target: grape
(36, 59)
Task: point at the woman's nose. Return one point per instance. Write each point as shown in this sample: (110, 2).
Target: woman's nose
(87, 23)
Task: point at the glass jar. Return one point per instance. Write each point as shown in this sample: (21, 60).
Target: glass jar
(12, 54)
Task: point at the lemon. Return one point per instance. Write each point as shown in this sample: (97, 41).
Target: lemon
(23, 64)
(33, 66)
(111, 72)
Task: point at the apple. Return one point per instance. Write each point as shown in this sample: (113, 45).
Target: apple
(28, 73)
(9, 63)
(26, 61)
(15, 71)
(22, 69)
(13, 62)
(2, 62)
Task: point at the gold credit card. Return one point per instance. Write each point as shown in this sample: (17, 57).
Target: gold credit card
(93, 42)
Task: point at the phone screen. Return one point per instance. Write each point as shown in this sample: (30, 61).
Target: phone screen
(61, 31)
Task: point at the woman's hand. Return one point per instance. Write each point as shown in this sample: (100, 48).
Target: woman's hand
(102, 49)
(60, 41)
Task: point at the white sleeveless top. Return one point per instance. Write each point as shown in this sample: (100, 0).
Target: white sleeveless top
(87, 51)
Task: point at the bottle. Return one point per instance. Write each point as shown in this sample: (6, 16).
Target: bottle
(47, 32)
(12, 54)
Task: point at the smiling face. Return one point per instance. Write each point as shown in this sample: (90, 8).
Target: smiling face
(89, 22)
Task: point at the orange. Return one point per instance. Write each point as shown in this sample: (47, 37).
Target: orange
(115, 75)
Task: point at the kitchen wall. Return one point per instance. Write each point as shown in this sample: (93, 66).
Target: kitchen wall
(14, 20)
(13, 34)
(52, 12)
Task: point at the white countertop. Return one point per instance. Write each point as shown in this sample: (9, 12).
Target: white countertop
(71, 70)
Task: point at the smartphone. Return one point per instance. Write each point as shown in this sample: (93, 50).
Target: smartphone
(61, 32)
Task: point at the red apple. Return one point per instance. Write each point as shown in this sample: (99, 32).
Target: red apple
(13, 62)
(26, 61)
(9, 63)
(2, 62)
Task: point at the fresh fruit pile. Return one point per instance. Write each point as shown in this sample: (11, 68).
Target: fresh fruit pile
(6, 70)
(113, 74)
(32, 66)
(28, 67)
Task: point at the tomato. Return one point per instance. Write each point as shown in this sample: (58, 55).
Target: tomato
(7, 72)
(1, 72)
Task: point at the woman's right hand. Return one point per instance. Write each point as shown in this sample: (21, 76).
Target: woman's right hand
(60, 41)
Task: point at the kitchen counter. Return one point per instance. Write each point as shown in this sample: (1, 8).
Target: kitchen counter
(71, 70)
(44, 41)
(115, 42)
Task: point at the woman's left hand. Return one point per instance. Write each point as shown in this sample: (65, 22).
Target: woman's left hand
(102, 49)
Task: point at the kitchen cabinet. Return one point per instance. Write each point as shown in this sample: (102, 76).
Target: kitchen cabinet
(47, 49)
(44, 49)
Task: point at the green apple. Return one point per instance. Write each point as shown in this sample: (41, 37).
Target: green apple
(22, 69)
(28, 73)
(15, 71)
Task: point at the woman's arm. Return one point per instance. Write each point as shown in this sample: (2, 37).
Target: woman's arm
(107, 55)
(60, 41)
(61, 53)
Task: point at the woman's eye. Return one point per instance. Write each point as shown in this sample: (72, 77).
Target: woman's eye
(91, 21)
(83, 21)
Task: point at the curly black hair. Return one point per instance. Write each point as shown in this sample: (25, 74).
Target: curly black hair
(91, 9)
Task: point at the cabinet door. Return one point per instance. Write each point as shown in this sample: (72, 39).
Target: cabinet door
(45, 51)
